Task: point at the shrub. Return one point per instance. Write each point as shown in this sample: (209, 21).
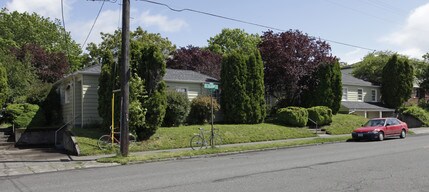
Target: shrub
(322, 115)
(417, 112)
(293, 116)
(178, 106)
(24, 115)
(201, 110)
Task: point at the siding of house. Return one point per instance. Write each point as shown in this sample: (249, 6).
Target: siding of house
(352, 93)
(67, 108)
(193, 89)
(90, 100)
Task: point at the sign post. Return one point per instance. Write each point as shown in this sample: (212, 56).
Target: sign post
(211, 88)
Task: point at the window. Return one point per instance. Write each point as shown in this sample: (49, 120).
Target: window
(344, 97)
(181, 90)
(67, 94)
(360, 95)
(374, 95)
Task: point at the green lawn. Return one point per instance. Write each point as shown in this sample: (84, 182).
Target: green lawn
(344, 124)
(178, 137)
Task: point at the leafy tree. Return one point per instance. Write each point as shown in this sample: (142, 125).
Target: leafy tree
(371, 67)
(4, 89)
(196, 59)
(147, 89)
(108, 81)
(255, 88)
(18, 29)
(149, 64)
(233, 39)
(49, 67)
(327, 86)
(397, 81)
(290, 59)
(235, 101)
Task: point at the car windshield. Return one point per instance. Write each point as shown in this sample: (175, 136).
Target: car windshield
(374, 123)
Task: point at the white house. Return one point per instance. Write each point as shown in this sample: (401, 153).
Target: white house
(361, 97)
(79, 92)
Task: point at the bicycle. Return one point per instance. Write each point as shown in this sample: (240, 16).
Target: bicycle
(105, 141)
(199, 140)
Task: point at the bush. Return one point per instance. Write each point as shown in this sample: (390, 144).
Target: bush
(24, 115)
(417, 112)
(178, 106)
(322, 115)
(201, 110)
(293, 116)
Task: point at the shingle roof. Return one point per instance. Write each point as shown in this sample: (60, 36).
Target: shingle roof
(170, 75)
(187, 75)
(354, 105)
(348, 79)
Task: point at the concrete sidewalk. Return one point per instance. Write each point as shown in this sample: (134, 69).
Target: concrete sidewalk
(41, 160)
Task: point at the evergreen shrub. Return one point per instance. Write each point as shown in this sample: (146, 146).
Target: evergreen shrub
(201, 110)
(293, 116)
(177, 110)
(322, 115)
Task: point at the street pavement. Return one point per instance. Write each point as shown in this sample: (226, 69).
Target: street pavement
(15, 161)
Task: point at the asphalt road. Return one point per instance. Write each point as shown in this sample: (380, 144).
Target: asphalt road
(391, 165)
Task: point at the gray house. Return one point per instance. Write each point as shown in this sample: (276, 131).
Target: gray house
(362, 97)
(79, 92)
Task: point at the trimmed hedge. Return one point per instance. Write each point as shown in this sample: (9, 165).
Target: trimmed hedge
(417, 112)
(322, 115)
(25, 115)
(201, 110)
(178, 106)
(293, 116)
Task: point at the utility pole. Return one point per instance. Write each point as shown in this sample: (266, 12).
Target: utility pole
(125, 77)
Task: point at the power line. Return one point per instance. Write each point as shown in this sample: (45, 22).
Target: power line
(247, 22)
(93, 24)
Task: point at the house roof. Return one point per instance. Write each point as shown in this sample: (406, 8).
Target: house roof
(364, 106)
(348, 79)
(175, 75)
(187, 76)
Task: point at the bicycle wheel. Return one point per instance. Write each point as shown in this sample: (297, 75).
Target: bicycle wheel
(217, 141)
(197, 142)
(105, 142)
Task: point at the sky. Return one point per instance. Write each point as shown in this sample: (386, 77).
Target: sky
(401, 26)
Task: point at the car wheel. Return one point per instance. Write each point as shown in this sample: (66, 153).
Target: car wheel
(403, 134)
(380, 136)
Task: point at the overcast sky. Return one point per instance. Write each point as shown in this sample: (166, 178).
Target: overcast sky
(401, 25)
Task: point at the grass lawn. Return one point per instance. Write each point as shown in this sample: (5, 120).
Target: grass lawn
(344, 124)
(179, 137)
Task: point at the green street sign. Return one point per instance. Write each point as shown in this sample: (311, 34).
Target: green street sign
(210, 86)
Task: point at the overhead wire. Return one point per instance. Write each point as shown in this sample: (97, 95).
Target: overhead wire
(249, 23)
(93, 24)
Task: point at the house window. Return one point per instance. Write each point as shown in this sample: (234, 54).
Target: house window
(360, 95)
(344, 97)
(181, 90)
(374, 95)
(67, 94)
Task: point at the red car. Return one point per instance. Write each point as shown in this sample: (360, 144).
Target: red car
(380, 128)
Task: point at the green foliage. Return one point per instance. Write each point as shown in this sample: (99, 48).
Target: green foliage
(18, 29)
(24, 115)
(416, 112)
(326, 89)
(200, 112)
(255, 88)
(178, 107)
(4, 88)
(293, 116)
(233, 40)
(371, 67)
(322, 115)
(138, 96)
(108, 81)
(397, 81)
(234, 97)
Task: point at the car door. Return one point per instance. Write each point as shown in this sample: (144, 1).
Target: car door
(390, 127)
(396, 127)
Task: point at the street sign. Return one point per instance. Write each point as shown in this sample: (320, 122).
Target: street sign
(210, 86)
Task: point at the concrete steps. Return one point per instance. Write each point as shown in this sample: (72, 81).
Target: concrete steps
(7, 139)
